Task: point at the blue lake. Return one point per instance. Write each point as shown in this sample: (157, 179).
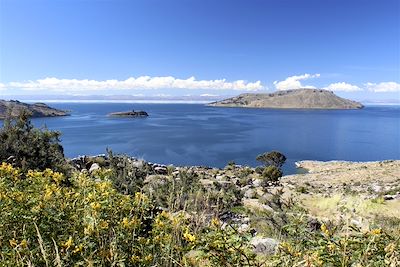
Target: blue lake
(194, 134)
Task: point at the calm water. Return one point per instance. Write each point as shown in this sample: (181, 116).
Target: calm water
(193, 134)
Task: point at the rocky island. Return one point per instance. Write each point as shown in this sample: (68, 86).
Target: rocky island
(290, 99)
(14, 108)
(132, 113)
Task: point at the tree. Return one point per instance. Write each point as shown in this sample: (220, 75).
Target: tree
(27, 147)
(273, 158)
(271, 174)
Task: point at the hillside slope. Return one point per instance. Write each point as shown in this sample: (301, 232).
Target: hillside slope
(36, 110)
(298, 98)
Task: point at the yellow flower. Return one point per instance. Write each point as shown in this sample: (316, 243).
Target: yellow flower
(189, 237)
(68, 243)
(78, 248)
(215, 222)
(135, 258)
(324, 229)
(23, 243)
(103, 225)
(148, 258)
(95, 205)
(125, 222)
(376, 232)
(331, 247)
(13, 242)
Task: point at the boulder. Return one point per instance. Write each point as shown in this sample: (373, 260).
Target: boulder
(264, 246)
(94, 167)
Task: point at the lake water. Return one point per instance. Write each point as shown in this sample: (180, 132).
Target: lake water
(194, 134)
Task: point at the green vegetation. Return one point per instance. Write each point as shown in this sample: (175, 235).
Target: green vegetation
(125, 214)
(273, 158)
(30, 148)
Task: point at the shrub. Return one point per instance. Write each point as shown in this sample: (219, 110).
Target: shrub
(271, 174)
(27, 147)
(273, 158)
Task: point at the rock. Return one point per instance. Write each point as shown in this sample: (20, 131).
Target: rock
(94, 167)
(161, 170)
(250, 193)
(257, 182)
(264, 246)
(219, 177)
(391, 197)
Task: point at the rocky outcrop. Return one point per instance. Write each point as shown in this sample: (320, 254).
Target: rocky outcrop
(290, 99)
(133, 114)
(13, 108)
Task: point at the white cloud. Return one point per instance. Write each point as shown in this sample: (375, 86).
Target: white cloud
(142, 82)
(293, 82)
(342, 86)
(383, 87)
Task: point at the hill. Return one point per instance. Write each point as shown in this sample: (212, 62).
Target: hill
(36, 110)
(296, 98)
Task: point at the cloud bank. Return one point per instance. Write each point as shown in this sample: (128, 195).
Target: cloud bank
(383, 87)
(142, 82)
(293, 82)
(342, 86)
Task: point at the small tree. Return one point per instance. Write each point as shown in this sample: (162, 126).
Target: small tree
(27, 147)
(273, 158)
(271, 175)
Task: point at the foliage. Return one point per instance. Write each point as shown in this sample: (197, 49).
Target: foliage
(44, 221)
(27, 147)
(271, 174)
(338, 246)
(273, 158)
(126, 177)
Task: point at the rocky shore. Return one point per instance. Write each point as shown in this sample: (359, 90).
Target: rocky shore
(336, 190)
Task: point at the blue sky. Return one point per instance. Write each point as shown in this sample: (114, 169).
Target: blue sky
(204, 47)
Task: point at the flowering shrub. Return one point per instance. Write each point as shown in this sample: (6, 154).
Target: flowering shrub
(45, 221)
(347, 247)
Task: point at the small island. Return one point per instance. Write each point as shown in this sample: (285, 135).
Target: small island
(14, 108)
(130, 114)
(290, 99)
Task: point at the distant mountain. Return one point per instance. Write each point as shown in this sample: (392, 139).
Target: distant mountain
(36, 110)
(296, 98)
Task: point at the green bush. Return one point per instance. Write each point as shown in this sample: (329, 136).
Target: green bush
(27, 147)
(273, 158)
(271, 174)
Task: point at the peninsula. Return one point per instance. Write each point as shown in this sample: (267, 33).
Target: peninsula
(290, 99)
(14, 108)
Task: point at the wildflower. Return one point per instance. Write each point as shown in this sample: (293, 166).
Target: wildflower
(95, 205)
(78, 248)
(68, 243)
(103, 225)
(215, 222)
(324, 229)
(148, 258)
(375, 232)
(23, 243)
(135, 258)
(13, 242)
(331, 247)
(125, 222)
(189, 237)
